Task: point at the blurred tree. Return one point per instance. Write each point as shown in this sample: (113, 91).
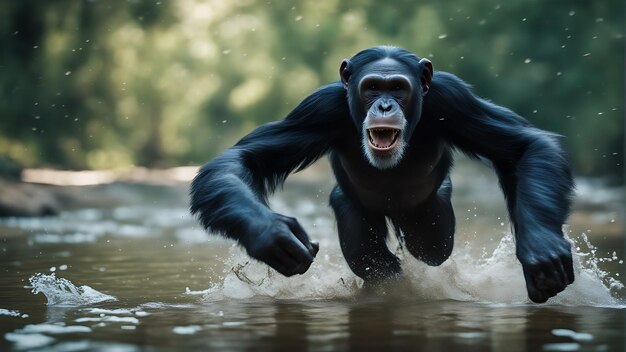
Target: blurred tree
(99, 85)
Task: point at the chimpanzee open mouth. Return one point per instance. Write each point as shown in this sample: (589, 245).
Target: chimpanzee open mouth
(382, 138)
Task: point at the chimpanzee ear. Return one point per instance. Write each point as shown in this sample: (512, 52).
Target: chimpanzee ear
(344, 72)
(427, 74)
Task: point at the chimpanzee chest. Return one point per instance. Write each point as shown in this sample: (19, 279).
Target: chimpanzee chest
(402, 187)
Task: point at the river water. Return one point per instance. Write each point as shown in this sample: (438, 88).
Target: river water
(141, 275)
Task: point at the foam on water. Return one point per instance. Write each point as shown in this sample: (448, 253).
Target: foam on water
(494, 277)
(57, 328)
(186, 330)
(62, 292)
(109, 318)
(28, 341)
(12, 313)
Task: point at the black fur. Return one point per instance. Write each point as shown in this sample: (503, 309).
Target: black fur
(229, 194)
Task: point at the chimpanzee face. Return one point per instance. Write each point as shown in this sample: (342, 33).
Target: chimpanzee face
(385, 98)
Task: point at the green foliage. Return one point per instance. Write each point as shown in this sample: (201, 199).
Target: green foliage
(99, 84)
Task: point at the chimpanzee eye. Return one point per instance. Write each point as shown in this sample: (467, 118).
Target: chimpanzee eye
(397, 87)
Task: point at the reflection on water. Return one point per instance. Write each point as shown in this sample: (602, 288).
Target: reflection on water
(143, 274)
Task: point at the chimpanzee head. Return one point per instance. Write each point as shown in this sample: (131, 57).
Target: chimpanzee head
(385, 88)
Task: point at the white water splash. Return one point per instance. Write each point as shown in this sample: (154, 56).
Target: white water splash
(498, 277)
(493, 277)
(327, 278)
(62, 292)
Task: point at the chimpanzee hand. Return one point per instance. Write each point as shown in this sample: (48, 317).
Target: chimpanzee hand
(282, 244)
(547, 264)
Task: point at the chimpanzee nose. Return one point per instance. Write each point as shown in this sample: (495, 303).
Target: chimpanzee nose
(384, 106)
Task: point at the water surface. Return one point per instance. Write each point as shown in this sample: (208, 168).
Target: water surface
(141, 275)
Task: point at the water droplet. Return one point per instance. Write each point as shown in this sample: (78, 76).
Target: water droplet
(299, 18)
(442, 36)
(527, 61)
(68, 73)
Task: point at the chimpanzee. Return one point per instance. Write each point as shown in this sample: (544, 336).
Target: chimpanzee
(390, 125)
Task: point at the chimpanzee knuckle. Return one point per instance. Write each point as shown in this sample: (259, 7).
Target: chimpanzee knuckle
(530, 262)
(553, 281)
(555, 257)
(282, 239)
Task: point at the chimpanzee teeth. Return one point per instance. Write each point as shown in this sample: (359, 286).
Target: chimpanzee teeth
(394, 131)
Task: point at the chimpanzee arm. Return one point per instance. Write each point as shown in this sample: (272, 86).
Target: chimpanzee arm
(229, 194)
(533, 172)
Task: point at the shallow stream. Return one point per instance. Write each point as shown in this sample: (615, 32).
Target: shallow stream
(141, 275)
